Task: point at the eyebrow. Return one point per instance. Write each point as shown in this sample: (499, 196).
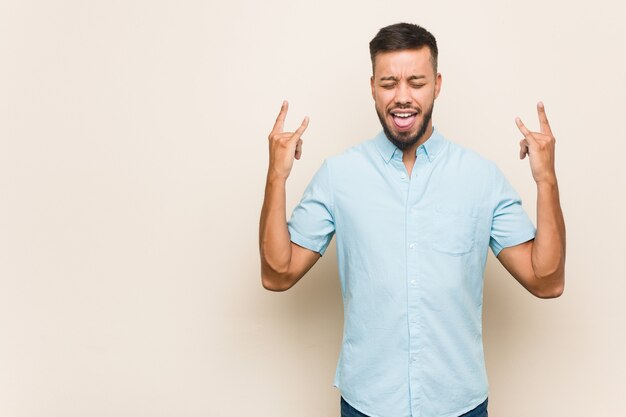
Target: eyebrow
(392, 78)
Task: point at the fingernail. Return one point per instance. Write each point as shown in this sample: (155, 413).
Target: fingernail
(540, 104)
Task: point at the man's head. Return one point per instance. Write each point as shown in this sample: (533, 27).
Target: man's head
(405, 82)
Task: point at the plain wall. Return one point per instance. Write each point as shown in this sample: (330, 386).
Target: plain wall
(133, 153)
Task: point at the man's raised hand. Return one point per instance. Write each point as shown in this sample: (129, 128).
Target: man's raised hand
(539, 146)
(284, 146)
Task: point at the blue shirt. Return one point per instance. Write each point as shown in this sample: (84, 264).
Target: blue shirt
(411, 254)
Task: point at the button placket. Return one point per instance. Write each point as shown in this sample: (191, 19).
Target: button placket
(412, 271)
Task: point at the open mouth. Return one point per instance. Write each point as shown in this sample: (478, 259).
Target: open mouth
(404, 119)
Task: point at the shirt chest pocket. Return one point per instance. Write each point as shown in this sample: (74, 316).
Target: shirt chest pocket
(454, 230)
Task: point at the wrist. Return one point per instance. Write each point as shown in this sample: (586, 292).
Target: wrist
(275, 177)
(549, 181)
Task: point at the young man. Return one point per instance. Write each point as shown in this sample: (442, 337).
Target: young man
(414, 214)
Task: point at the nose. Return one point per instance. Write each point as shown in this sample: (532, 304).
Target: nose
(403, 95)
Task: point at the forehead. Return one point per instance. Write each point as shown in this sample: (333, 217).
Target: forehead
(403, 63)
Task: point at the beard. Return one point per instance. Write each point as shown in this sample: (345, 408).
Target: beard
(404, 140)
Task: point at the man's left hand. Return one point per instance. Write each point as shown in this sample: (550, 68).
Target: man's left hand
(539, 146)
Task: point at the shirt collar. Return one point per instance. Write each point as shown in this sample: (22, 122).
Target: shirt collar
(431, 147)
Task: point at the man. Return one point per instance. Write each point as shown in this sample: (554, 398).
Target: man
(414, 214)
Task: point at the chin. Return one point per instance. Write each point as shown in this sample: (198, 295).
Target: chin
(406, 138)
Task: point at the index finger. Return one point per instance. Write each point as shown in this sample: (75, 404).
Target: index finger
(280, 120)
(543, 119)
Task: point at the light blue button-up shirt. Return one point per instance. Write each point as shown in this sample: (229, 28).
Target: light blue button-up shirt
(411, 253)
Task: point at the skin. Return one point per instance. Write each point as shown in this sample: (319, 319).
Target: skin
(406, 79)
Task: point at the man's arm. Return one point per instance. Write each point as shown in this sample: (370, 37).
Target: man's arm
(283, 263)
(539, 264)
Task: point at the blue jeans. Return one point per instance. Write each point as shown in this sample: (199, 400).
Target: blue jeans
(348, 411)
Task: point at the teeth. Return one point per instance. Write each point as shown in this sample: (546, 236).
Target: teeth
(403, 114)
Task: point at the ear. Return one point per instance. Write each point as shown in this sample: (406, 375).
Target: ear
(437, 84)
(372, 86)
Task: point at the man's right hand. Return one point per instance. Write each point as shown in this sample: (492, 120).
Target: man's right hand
(284, 146)
(283, 262)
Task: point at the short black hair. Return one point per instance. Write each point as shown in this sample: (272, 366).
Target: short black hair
(401, 36)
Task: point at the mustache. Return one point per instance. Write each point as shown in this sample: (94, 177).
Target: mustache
(405, 108)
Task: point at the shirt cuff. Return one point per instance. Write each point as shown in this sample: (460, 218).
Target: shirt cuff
(300, 240)
(515, 240)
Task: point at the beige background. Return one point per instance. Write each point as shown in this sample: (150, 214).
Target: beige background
(133, 150)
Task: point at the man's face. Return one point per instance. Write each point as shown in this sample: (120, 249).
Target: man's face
(404, 88)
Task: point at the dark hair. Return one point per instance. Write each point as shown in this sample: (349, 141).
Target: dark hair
(403, 36)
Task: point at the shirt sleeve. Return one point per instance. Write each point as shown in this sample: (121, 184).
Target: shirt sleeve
(510, 223)
(312, 223)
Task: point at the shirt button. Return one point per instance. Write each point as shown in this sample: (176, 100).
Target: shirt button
(412, 246)
(413, 319)
(402, 176)
(413, 358)
(413, 283)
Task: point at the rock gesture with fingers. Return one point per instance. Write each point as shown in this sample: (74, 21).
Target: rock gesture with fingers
(284, 146)
(539, 146)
